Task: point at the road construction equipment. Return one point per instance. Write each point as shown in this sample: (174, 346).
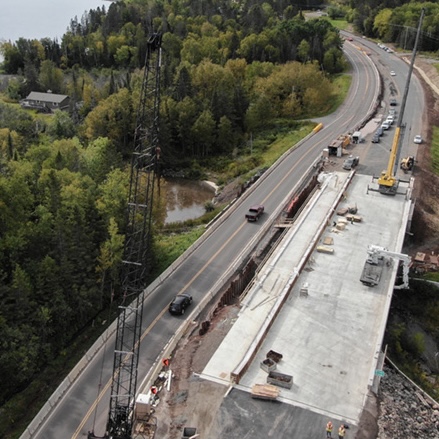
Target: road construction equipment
(407, 163)
(388, 182)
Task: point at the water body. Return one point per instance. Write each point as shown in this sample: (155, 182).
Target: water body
(36, 19)
(185, 199)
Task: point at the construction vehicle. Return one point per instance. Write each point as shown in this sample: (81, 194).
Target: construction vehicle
(407, 163)
(374, 265)
(388, 182)
(337, 146)
(357, 137)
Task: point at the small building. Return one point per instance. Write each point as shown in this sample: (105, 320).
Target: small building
(45, 102)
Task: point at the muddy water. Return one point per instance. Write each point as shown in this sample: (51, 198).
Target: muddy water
(185, 199)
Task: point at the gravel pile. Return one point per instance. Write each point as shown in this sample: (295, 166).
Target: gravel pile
(405, 412)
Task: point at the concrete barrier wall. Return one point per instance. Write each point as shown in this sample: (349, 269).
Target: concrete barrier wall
(242, 367)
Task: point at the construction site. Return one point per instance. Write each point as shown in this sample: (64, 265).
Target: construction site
(296, 339)
(308, 330)
(295, 336)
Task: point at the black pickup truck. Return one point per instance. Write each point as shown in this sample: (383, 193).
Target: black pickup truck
(254, 212)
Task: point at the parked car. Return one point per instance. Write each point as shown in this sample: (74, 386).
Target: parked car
(376, 138)
(418, 139)
(392, 73)
(393, 102)
(380, 131)
(180, 303)
(390, 120)
(385, 125)
(351, 162)
(392, 112)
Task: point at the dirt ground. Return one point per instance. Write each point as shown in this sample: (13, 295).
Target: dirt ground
(426, 219)
(193, 402)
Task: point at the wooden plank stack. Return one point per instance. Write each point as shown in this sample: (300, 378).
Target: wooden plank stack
(265, 391)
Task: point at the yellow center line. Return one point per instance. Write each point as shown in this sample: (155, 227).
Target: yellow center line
(188, 284)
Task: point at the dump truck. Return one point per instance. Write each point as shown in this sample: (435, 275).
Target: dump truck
(254, 213)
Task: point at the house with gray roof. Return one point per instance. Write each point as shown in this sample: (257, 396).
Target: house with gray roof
(45, 102)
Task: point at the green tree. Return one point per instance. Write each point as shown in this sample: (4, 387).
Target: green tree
(99, 158)
(50, 77)
(61, 125)
(109, 260)
(203, 131)
(112, 118)
(303, 51)
(186, 115)
(13, 60)
(227, 138)
(382, 23)
(112, 197)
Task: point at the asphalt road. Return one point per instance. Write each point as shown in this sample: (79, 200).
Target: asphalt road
(85, 406)
(374, 156)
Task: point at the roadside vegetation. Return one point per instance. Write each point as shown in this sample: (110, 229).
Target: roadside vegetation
(434, 150)
(413, 332)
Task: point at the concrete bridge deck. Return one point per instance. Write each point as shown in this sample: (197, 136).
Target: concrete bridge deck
(311, 307)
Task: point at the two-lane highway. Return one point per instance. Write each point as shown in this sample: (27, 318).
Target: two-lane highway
(223, 246)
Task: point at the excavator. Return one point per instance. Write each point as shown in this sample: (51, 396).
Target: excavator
(388, 182)
(407, 163)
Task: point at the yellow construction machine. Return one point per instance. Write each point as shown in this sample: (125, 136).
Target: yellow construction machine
(388, 182)
(407, 163)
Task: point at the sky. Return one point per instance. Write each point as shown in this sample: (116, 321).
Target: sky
(41, 18)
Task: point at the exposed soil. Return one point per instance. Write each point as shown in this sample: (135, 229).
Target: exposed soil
(193, 402)
(425, 226)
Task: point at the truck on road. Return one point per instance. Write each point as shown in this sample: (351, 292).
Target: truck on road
(254, 213)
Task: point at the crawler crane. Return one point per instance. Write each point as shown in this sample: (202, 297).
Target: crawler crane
(388, 182)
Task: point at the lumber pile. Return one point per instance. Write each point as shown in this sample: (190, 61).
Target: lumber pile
(265, 391)
(325, 249)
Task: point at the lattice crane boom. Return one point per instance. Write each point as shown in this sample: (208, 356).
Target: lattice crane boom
(137, 248)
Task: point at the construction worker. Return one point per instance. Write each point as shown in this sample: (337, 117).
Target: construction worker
(341, 432)
(329, 429)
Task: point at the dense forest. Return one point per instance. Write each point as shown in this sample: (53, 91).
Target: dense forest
(229, 70)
